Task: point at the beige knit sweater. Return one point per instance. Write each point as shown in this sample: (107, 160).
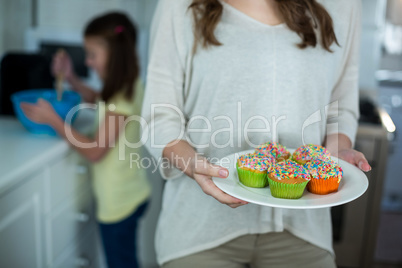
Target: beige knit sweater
(257, 86)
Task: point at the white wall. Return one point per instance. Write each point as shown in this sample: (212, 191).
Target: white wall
(74, 14)
(15, 18)
(149, 223)
(62, 15)
(150, 6)
(370, 53)
(1, 27)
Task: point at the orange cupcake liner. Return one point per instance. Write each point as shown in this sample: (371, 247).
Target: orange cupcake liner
(323, 186)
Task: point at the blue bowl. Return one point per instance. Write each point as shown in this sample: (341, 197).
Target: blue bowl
(68, 101)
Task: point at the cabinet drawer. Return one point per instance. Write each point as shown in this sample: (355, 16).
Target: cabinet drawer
(82, 255)
(67, 225)
(67, 177)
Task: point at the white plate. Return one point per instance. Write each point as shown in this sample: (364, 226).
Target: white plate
(353, 184)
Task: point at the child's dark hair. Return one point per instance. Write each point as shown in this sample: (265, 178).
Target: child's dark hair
(122, 67)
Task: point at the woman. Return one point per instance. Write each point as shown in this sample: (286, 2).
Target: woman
(225, 76)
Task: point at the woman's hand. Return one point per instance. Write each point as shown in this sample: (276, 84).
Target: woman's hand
(41, 112)
(62, 65)
(355, 158)
(202, 173)
(184, 157)
(339, 145)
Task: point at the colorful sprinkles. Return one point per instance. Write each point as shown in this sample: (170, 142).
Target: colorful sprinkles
(309, 165)
(321, 169)
(272, 148)
(308, 152)
(288, 169)
(256, 161)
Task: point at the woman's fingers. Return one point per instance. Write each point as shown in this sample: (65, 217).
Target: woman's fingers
(361, 162)
(355, 158)
(211, 189)
(203, 172)
(202, 166)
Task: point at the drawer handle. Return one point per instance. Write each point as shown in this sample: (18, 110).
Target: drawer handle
(82, 169)
(82, 217)
(82, 262)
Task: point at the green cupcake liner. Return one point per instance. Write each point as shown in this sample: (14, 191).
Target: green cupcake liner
(285, 190)
(252, 179)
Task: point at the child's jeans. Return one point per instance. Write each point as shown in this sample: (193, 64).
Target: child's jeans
(119, 240)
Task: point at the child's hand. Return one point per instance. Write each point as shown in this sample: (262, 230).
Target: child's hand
(62, 65)
(42, 112)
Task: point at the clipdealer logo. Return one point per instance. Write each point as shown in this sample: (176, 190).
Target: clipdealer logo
(155, 137)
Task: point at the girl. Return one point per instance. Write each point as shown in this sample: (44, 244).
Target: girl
(121, 191)
(228, 75)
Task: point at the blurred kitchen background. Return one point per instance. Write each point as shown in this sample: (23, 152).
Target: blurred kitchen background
(46, 217)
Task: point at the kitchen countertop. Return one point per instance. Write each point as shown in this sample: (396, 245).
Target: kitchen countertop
(23, 153)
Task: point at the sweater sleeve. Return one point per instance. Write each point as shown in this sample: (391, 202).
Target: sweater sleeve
(163, 99)
(343, 111)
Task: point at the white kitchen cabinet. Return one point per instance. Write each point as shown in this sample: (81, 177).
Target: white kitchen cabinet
(21, 222)
(66, 176)
(83, 254)
(47, 216)
(71, 217)
(31, 234)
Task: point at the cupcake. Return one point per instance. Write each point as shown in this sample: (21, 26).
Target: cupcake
(278, 151)
(268, 157)
(287, 179)
(307, 152)
(252, 169)
(325, 176)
